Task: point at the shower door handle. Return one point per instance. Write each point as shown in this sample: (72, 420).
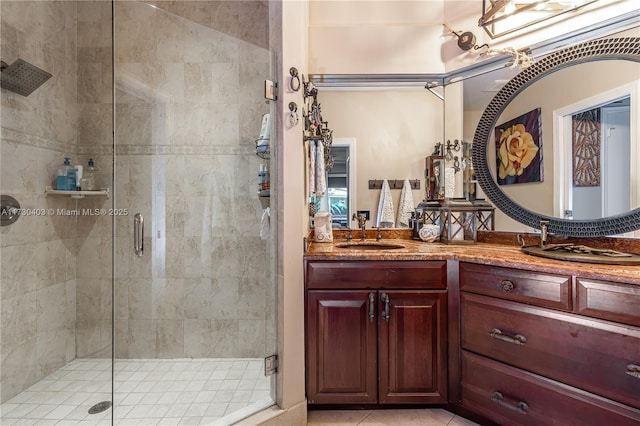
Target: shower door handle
(138, 233)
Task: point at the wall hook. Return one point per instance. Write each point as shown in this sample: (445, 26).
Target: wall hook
(294, 82)
(293, 114)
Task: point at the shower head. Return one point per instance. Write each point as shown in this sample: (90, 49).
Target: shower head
(22, 77)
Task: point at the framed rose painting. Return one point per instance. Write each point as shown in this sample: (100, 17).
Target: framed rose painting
(519, 149)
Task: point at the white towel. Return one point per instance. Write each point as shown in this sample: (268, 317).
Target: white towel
(317, 174)
(265, 224)
(321, 178)
(385, 207)
(312, 167)
(406, 207)
(449, 182)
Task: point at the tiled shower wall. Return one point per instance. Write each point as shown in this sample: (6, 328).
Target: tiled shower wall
(95, 140)
(38, 254)
(187, 94)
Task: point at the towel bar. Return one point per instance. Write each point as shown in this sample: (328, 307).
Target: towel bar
(394, 183)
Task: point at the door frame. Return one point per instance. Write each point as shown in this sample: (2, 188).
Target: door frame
(562, 147)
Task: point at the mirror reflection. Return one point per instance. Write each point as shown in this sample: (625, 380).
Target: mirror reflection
(584, 142)
(386, 134)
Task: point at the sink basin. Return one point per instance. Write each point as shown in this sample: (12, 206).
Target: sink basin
(580, 253)
(370, 246)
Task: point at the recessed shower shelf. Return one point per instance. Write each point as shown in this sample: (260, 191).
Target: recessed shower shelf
(77, 194)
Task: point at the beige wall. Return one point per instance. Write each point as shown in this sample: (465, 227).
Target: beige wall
(374, 37)
(410, 38)
(289, 42)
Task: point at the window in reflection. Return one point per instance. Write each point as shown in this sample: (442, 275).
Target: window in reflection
(338, 187)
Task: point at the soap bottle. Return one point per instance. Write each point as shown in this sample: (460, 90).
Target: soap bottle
(62, 181)
(89, 180)
(71, 178)
(264, 184)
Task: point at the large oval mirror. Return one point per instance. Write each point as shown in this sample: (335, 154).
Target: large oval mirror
(559, 141)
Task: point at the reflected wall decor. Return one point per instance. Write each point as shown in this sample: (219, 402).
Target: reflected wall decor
(519, 149)
(586, 148)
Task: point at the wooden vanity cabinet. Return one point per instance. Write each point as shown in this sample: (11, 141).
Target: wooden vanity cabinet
(523, 362)
(412, 355)
(381, 337)
(341, 347)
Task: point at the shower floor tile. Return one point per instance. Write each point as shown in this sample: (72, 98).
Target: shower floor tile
(146, 392)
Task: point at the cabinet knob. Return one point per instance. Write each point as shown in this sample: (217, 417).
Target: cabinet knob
(633, 370)
(506, 285)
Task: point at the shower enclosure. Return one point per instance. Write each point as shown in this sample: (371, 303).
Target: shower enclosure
(167, 99)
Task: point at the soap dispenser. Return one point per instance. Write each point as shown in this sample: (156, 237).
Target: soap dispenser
(89, 179)
(63, 181)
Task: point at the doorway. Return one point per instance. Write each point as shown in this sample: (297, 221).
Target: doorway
(601, 152)
(341, 182)
(601, 180)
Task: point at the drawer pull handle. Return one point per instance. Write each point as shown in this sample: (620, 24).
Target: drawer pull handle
(519, 407)
(372, 307)
(385, 313)
(518, 339)
(633, 370)
(506, 285)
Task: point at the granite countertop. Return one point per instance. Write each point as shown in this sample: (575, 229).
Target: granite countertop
(488, 253)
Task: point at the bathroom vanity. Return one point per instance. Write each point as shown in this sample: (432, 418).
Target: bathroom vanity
(376, 332)
(520, 339)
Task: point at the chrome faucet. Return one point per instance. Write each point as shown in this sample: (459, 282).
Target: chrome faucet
(544, 233)
(362, 224)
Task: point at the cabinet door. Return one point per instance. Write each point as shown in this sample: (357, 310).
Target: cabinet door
(341, 347)
(412, 349)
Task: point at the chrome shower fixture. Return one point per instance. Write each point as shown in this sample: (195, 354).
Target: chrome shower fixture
(22, 77)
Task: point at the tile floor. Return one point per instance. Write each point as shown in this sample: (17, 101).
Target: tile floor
(147, 392)
(406, 417)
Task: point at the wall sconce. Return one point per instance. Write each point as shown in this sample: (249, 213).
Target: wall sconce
(501, 17)
(466, 42)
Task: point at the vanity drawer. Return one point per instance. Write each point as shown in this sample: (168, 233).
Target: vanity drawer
(594, 355)
(537, 288)
(608, 300)
(377, 274)
(509, 396)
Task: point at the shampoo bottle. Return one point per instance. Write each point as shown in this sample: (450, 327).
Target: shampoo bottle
(71, 178)
(264, 184)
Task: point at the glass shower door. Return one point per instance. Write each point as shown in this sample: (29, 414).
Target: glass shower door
(194, 310)
(56, 258)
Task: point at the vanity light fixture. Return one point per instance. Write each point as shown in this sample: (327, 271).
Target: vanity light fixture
(501, 17)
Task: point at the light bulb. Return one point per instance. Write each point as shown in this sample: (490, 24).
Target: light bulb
(509, 8)
(540, 6)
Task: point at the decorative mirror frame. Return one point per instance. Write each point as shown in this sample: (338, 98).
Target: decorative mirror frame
(627, 48)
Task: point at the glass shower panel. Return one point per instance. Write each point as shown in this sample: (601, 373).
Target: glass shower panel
(56, 259)
(195, 304)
